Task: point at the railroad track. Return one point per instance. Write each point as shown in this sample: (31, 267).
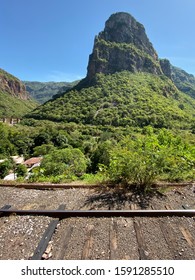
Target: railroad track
(110, 234)
(79, 186)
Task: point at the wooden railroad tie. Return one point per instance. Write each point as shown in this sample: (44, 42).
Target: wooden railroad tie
(5, 207)
(39, 251)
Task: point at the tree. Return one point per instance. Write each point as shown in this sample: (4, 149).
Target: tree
(43, 150)
(21, 170)
(68, 161)
(101, 155)
(5, 167)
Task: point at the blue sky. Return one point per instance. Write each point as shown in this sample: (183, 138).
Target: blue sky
(50, 40)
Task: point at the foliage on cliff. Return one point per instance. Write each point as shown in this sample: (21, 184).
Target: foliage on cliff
(184, 81)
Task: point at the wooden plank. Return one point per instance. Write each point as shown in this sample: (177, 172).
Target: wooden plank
(5, 207)
(167, 232)
(170, 238)
(188, 237)
(39, 251)
(88, 243)
(142, 248)
(113, 240)
(64, 243)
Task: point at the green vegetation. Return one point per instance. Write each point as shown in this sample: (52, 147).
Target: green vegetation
(14, 101)
(69, 161)
(128, 128)
(184, 81)
(144, 160)
(5, 167)
(7, 75)
(139, 156)
(123, 99)
(21, 170)
(13, 106)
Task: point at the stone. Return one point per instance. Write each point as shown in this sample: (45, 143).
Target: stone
(122, 45)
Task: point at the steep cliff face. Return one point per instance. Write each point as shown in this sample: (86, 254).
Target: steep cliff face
(123, 28)
(12, 85)
(166, 67)
(14, 100)
(123, 45)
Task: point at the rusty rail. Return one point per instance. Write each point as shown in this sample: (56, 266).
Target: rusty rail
(74, 185)
(48, 185)
(101, 213)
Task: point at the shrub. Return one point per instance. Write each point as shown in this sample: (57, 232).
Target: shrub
(5, 167)
(21, 170)
(69, 161)
(143, 161)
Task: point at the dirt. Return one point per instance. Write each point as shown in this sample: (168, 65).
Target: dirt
(99, 238)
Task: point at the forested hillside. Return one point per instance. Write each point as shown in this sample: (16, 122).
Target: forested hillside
(123, 99)
(43, 91)
(184, 81)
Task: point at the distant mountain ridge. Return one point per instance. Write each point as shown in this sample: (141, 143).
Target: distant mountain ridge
(43, 91)
(183, 80)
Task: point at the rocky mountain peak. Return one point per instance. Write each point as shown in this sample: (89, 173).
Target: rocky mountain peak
(123, 28)
(122, 45)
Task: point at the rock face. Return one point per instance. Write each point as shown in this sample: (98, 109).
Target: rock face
(123, 45)
(166, 67)
(12, 85)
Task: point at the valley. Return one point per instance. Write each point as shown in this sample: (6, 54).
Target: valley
(129, 121)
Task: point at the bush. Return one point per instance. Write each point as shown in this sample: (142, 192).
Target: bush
(143, 161)
(43, 150)
(5, 167)
(139, 163)
(69, 161)
(21, 170)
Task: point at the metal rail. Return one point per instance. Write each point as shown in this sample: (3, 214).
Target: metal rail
(101, 213)
(69, 186)
(4, 208)
(48, 186)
